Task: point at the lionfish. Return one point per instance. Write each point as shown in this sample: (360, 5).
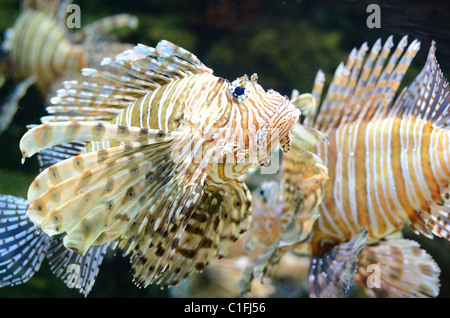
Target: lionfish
(38, 49)
(151, 164)
(388, 162)
(283, 213)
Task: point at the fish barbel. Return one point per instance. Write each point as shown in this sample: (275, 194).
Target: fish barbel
(166, 144)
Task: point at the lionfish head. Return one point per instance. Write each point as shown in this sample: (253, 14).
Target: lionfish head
(275, 113)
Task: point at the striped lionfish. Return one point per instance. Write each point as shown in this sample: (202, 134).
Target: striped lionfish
(157, 173)
(38, 49)
(388, 162)
(283, 213)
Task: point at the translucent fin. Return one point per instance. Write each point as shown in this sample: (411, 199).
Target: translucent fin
(288, 211)
(331, 272)
(101, 30)
(427, 97)
(22, 248)
(129, 75)
(397, 269)
(215, 224)
(437, 218)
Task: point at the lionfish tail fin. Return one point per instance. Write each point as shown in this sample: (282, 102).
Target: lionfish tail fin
(331, 272)
(22, 248)
(303, 178)
(397, 269)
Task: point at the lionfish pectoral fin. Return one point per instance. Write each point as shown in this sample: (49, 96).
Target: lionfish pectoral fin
(211, 228)
(304, 177)
(331, 272)
(95, 196)
(264, 265)
(57, 133)
(22, 248)
(9, 108)
(305, 102)
(397, 268)
(306, 137)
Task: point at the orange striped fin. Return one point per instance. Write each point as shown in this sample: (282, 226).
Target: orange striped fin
(427, 97)
(130, 75)
(51, 134)
(400, 269)
(365, 85)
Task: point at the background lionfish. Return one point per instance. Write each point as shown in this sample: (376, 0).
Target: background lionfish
(158, 176)
(39, 50)
(389, 166)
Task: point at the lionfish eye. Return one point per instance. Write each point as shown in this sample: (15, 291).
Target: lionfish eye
(239, 90)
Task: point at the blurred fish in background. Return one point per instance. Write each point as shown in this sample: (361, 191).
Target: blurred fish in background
(39, 49)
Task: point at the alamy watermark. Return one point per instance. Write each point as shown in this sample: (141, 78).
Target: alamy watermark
(374, 19)
(73, 20)
(374, 279)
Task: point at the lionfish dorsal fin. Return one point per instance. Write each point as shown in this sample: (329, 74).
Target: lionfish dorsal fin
(365, 85)
(130, 75)
(427, 97)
